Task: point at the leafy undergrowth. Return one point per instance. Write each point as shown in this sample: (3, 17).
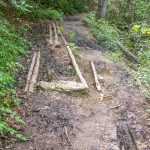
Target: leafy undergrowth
(137, 39)
(47, 13)
(106, 34)
(12, 44)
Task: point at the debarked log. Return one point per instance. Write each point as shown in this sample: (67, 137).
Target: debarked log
(64, 40)
(57, 44)
(30, 71)
(50, 41)
(35, 73)
(128, 54)
(76, 67)
(61, 86)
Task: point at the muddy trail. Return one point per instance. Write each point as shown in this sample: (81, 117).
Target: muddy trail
(80, 120)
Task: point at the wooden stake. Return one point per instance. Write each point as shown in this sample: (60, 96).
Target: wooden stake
(95, 77)
(30, 72)
(76, 67)
(35, 74)
(57, 44)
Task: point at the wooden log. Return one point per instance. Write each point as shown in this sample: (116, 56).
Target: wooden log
(30, 72)
(60, 33)
(61, 86)
(57, 44)
(95, 77)
(50, 41)
(128, 54)
(76, 67)
(35, 74)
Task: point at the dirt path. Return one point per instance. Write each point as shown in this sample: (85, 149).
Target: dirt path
(82, 121)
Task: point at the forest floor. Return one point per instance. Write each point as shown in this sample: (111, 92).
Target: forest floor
(80, 121)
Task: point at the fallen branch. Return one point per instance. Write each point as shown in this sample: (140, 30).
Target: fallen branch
(76, 67)
(57, 44)
(35, 74)
(128, 54)
(95, 77)
(61, 86)
(67, 135)
(114, 107)
(30, 72)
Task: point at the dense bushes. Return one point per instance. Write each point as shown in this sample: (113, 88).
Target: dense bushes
(45, 9)
(47, 13)
(12, 45)
(105, 33)
(66, 6)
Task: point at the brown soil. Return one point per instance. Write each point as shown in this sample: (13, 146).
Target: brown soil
(81, 121)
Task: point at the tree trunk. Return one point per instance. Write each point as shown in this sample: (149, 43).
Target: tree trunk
(130, 11)
(102, 5)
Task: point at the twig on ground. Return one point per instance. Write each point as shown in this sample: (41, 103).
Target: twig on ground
(66, 132)
(114, 107)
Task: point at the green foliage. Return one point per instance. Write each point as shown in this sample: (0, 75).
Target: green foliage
(118, 12)
(47, 13)
(12, 45)
(142, 10)
(19, 7)
(115, 56)
(72, 35)
(104, 32)
(143, 75)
